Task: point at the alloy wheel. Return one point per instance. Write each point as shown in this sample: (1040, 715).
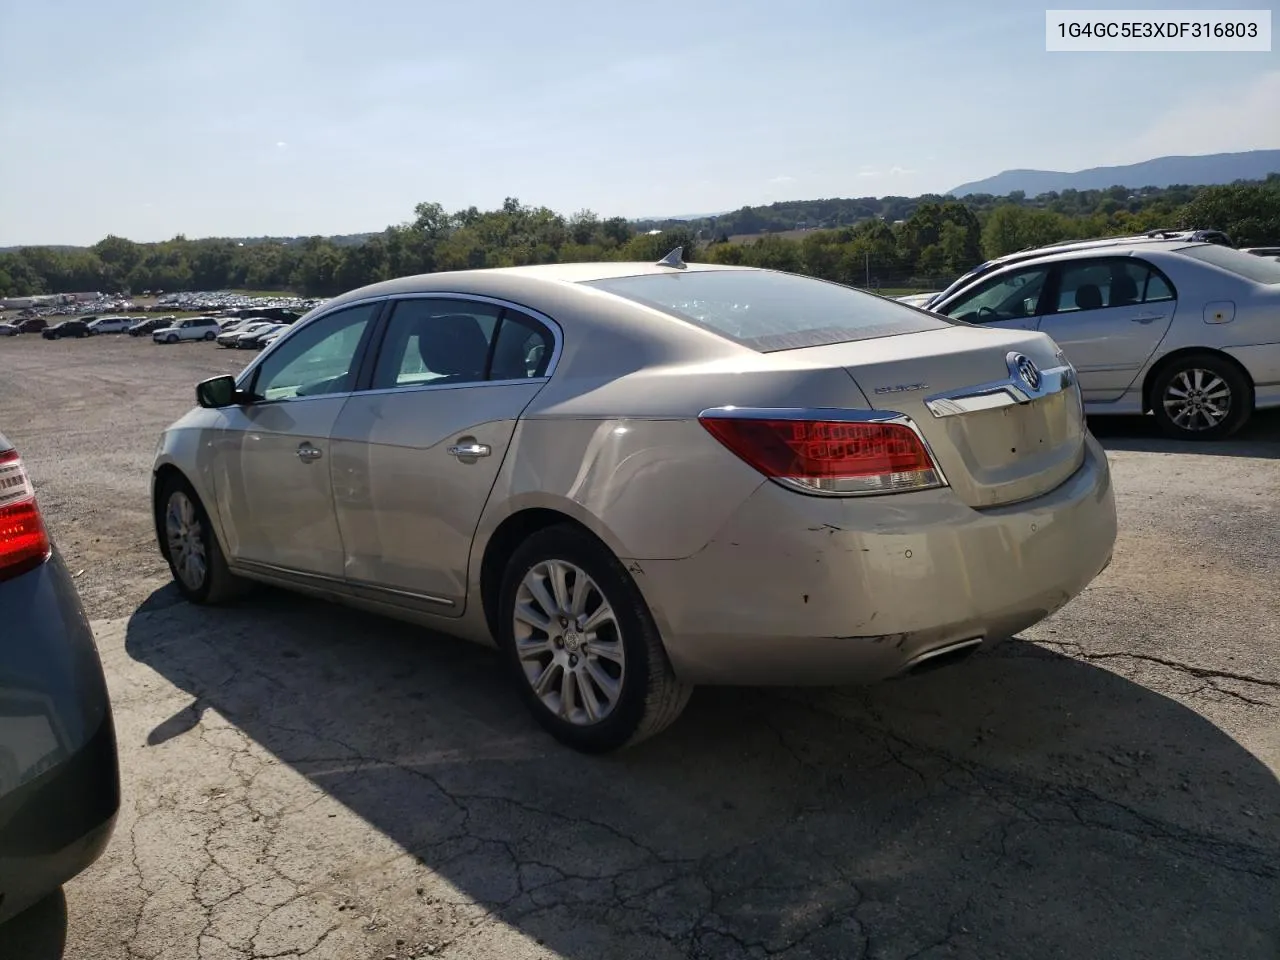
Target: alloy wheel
(1197, 399)
(569, 642)
(185, 535)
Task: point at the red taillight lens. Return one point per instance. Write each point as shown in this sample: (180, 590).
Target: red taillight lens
(24, 544)
(829, 456)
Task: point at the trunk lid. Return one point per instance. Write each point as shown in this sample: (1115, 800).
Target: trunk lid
(999, 438)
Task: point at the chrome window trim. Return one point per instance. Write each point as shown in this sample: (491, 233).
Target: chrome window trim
(424, 387)
(839, 415)
(1008, 392)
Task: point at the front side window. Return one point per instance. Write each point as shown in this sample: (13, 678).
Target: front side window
(318, 359)
(1105, 283)
(1009, 296)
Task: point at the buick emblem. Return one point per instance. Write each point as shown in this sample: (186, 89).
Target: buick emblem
(1026, 369)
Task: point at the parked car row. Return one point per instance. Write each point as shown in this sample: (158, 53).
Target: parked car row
(252, 333)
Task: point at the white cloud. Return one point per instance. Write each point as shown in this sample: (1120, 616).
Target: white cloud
(280, 144)
(864, 172)
(781, 179)
(899, 171)
(1246, 118)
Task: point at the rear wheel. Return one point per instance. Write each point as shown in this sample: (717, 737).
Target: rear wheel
(582, 645)
(209, 335)
(1201, 397)
(191, 548)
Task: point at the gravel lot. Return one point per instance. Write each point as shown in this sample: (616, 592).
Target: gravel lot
(303, 781)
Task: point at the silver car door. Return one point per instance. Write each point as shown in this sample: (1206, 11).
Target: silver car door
(1109, 315)
(1010, 299)
(271, 457)
(416, 455)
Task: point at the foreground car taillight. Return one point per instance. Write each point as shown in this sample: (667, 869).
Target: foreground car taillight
(828, 456)
(24, 544)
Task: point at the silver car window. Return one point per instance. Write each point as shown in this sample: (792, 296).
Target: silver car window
(1006, 296)
(318, 359)
(767, 310)
(1257, 269)
(1097, 284)
(436, 340)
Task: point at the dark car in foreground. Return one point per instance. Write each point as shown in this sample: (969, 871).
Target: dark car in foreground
(33, 325)
(67, 328)
(59, 775)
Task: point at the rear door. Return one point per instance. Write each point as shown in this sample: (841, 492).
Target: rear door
(1109, 314)
(1011, 299)
(415, 455)
(272, 462)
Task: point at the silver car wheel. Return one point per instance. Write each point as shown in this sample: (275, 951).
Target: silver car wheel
(185, 535)
(1197, 399)
(569, 643)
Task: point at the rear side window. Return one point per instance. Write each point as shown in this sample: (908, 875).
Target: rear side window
(1257, 269)
(1111, 282)
(770, 311)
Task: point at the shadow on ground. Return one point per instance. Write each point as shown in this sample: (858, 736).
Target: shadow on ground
(1260, 437)
(38, 933)
(1022, 804)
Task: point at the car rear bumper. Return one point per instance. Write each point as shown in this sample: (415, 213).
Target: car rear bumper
(812, 590)
(59, 779)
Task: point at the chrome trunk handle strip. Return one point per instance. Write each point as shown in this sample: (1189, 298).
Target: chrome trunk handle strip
(1025, 383)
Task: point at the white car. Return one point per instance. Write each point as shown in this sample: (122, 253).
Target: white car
(189, 328)
(8, 330)
(231, 337)
(1187, 330)
(109, 325)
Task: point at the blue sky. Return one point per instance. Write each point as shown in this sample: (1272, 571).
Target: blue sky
(149, 118)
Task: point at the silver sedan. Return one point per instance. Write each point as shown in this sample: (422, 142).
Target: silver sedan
(636, 478)
(1187, 331)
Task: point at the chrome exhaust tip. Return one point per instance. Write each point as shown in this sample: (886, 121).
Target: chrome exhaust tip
(943, 656)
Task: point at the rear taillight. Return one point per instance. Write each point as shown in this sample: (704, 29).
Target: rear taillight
(828, 456)
(24, 544)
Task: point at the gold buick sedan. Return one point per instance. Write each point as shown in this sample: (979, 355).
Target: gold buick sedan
(634, 478)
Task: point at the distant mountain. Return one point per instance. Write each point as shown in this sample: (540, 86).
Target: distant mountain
(1161, 172)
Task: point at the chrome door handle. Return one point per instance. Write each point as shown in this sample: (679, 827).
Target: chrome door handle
(307, 453)
(470, 450)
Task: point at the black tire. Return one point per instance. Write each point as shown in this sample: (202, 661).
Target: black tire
(218, 584)
(210, 335)
(1182, 374)
(171, 338)
(650, 695)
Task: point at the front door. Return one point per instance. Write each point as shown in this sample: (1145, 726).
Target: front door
(416, 456)
(275, 494)
(1109, 315)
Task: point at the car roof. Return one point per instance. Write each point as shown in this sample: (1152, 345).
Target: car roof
(512, 282)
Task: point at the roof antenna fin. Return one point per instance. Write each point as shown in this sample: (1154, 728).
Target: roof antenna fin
(673, 259)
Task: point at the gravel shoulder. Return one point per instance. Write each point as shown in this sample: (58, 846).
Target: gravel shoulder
(306, 781)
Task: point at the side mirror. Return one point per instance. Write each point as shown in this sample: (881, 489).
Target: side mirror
(218, 392)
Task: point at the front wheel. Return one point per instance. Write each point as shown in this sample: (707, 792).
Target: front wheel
(582, 645)
(171, 338)
(1201, 397)
(191, 548)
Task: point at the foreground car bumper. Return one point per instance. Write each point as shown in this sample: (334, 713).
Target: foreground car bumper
(59, 779)
(812, 590)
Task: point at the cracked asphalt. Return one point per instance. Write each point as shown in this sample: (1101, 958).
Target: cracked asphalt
(309, 782)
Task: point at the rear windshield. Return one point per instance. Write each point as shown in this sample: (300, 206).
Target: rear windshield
(1247, 265)
(769, 311)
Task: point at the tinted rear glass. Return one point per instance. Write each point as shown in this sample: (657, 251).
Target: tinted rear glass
(1255, 268)
(770, 311)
